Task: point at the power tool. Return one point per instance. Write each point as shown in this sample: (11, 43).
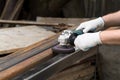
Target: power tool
(66, 41)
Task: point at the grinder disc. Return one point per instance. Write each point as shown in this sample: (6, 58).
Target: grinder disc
(63, 49)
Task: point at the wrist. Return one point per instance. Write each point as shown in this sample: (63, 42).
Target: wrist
(97, 37)
(100, 22)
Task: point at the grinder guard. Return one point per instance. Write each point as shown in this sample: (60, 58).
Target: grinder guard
(66, 41)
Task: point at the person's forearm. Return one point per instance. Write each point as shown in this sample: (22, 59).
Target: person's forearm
(110, 37)
(112, 19)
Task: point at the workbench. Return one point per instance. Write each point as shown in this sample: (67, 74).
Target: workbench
(38, 62)
(15, 38)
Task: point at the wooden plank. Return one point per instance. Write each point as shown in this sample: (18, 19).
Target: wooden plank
(25, 65)
(84, 71)
(2, 4)
(55, 24)
(8, 9)
(40, 58)
(16, 10)
(74, 9)
(27, 52)
(57, 64)
(30, 62)
(72, 21)
(13, 39)
(56, 6)
(11, 10)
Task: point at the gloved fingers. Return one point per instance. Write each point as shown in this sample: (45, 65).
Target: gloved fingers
(85, 30)
(89, 28)
(85, 27)
(86, 41)
(80, 27)
(76, 47)
(82, 48)
(91, 25)
(85, 49)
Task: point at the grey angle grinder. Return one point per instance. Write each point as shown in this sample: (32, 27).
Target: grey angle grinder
(66, 41)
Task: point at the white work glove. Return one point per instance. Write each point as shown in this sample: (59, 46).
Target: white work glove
(88, 40)
(92, 25)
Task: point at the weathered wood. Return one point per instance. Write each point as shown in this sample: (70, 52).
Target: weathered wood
(54, 22)
(27, 52)
(11, 10)
(41, 21)
(79, 72)
(34, 23)
(25, 65)
(73, 21)
(74, 9)
(55, 6)
(55, 65)
(8, 9)
(16, 10)
(103, 7)
(86, 7)
(42, 57)
(52, 8)
(2, 4)
(16, 38)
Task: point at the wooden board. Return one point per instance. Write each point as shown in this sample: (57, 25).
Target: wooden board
(75, 21)
(11, 9)
(12, 39)
(78, 72)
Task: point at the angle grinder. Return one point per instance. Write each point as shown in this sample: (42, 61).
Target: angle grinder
(66, 41)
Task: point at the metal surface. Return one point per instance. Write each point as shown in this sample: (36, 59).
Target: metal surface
(54, 65)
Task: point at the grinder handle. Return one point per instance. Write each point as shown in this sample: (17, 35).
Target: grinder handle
(74, 35)
(78, 32)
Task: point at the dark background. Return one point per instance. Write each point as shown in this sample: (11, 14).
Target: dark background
(64, 8)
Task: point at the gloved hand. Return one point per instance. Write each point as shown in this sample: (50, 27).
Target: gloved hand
(91, 25)
(88, 40)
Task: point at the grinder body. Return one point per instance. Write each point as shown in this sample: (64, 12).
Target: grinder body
(73, 36)
(66, 41)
